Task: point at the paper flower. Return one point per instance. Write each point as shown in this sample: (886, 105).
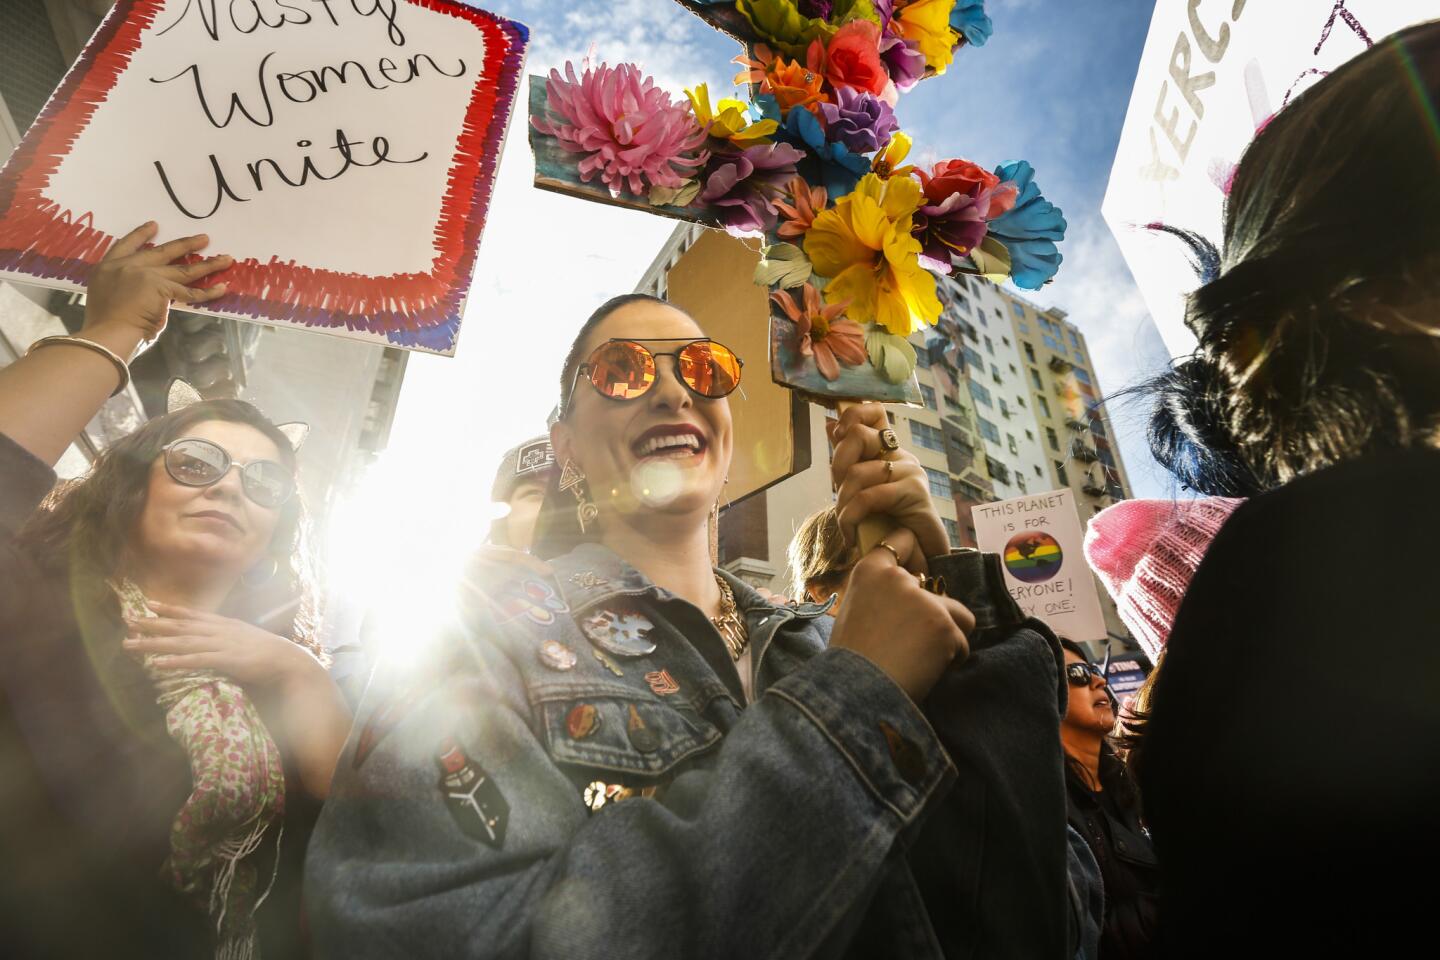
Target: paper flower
(815, 9)
(1029, 230)
(903, 60)
(782, 25)
(861, 121)
(823, 332)
(744, 186)
(632, 134)
(863, 244)
(970, 21)
(927, 22)
(731, 121)
(851, 58)
(790, 84)
(960, 198)
(833, 164)
(888, 163)
(806, 202)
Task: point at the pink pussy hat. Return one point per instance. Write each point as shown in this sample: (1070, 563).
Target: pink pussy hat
(1146, 551)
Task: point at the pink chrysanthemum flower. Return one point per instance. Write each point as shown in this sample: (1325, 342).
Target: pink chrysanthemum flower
(635, 136)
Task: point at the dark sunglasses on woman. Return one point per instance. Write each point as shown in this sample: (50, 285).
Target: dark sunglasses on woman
(201, 463)
(624, 369)
(1079, 674)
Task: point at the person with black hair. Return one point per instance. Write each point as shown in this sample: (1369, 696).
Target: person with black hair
(620, 750)
(1104, 808)
(1291, 778)
(167, 725)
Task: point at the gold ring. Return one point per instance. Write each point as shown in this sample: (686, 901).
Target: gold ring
(888, 440)
(889, 470)
(893, 552)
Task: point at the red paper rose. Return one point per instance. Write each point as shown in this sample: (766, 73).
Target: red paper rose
(852, 58)
(956, 176)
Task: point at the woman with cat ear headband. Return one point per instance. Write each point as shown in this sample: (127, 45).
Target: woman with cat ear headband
(167, 725)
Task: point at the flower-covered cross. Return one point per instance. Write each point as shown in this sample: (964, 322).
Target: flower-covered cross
(815, 164)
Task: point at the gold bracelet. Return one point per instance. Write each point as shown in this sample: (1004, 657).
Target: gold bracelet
(120, 366)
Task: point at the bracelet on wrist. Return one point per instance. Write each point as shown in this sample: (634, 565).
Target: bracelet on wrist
(121, 367)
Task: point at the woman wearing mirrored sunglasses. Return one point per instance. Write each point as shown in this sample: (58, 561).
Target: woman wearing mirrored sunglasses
(1104, 808)
(166, 724)
(623, 752)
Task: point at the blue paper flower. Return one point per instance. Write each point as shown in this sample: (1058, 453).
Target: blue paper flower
(832, 165)
(1030, 229)
(970, 19)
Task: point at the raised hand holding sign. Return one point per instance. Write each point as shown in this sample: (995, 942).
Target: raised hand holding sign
(814, 164)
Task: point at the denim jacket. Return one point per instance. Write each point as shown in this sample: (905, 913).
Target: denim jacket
(556, 781)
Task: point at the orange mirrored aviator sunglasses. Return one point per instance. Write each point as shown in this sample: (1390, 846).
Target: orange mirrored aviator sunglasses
(625, 369)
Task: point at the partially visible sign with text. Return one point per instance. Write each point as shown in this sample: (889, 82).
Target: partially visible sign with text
(1040, 540)
(342, 151)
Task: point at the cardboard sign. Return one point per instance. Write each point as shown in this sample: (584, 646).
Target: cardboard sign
(342, 151)
(1039, 540)
(1211, 74)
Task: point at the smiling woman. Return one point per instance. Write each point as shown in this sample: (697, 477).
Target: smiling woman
(164, 714)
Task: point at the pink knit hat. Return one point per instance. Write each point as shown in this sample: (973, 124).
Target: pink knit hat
(1146, 551)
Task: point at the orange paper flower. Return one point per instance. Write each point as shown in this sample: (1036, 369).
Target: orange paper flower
(824, 334)
(807, 202)
(792, 84)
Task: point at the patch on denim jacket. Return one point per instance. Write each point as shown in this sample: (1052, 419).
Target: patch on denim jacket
(625, 633)
(471, 796)
(535, 600)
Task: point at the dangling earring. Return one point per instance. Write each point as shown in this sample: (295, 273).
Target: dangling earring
(573, 479)
(253, 579)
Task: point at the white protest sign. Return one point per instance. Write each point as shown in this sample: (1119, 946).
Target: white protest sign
(1212, 72)
(1039, 540)
(342, 151)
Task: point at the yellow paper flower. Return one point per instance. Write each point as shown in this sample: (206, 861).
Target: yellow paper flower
(927, 22)
(863, 244)
(887, 163)
(731, 121)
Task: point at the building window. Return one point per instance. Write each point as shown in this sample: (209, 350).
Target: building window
(970, 332)
(971, 531)
(1097, 427)
(939, 483)
(1004, 408)
(1035, 379)
(1053, 440)
(1040, 473)
(988, 430)
(1005, 340)
(1082, 376)
(1013, 370)
(891, 417)
(1029, 353)
(998, 470)
(1020, 400)
(922, 357)
(952, 530)
(980, 394)
(970, 492)
(1018, 308)
(927, 436)
(989, 346)
(1014, 447)
(928, 395)
(1060, 472)
(1075, 339)
(952, 404)
(973, 360)
(1044, 406)
(1029, 435)
(1054, 344)
(1020, 482)
(1024, 327)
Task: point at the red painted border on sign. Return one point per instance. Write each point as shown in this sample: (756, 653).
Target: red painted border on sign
(412, 309)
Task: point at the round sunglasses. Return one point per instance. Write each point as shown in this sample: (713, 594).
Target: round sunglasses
(201, 463)
(625, 369)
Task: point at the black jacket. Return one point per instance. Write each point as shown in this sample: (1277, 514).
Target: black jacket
(1110, 823)
(1291, 769)
(90, 780)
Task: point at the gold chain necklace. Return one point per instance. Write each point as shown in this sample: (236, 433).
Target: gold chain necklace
(730, 625)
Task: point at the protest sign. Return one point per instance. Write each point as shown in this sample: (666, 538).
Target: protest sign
(1212, 73)
(1039, 540)
(342, 151)
(1126, 675)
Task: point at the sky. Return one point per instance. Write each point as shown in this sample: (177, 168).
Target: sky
(1051, 86)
